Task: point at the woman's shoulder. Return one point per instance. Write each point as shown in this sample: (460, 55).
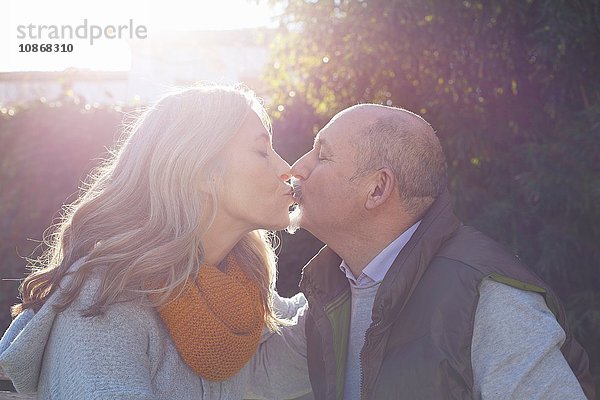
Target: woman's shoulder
(124, 310)
(124, 331)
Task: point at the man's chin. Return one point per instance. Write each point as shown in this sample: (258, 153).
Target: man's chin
(295, 220)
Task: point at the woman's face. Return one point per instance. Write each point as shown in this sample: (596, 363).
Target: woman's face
(254, 190)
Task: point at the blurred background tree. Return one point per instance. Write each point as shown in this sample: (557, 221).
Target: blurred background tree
(46, 151)
(513, 89)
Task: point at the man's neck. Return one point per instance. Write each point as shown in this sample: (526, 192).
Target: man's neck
(357, 248)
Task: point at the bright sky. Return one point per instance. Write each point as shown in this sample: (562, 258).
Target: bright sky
(112, 54)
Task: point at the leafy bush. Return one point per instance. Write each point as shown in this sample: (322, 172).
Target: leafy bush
(513, 89)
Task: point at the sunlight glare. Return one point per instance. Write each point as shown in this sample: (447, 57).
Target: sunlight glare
(114, 54)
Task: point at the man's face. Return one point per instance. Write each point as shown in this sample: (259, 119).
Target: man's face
(330, 199)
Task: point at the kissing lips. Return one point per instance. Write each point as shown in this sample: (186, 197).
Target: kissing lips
(297, 189)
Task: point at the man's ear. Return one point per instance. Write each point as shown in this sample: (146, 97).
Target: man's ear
(382, 187)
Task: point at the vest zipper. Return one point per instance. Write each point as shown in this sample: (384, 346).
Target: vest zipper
(362, 357)
(309, 293)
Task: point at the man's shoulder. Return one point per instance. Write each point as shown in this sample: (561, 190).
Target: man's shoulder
(476, 250)
(469, 243)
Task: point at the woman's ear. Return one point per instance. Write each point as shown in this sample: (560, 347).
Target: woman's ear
(382, 187)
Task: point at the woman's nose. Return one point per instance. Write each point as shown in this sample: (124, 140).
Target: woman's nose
(284, 168)
(285, 177)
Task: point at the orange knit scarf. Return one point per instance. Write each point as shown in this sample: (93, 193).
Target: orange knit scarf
(217, 321)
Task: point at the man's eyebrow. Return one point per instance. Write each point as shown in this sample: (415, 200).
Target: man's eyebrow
(322, 142)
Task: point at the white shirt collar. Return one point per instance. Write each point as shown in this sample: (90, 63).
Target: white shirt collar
(376, 269)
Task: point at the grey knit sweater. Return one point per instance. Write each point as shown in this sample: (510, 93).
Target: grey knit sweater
(128, 354)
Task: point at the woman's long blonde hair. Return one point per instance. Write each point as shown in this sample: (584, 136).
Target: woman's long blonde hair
(138, 220)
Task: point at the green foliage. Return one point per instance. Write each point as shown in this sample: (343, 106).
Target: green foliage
(513, 89)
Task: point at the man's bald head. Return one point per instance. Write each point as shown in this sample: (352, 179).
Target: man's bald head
(405, 143)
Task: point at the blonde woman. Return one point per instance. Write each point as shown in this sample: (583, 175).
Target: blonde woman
(159, 281)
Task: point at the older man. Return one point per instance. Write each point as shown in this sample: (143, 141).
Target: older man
(405, 301)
